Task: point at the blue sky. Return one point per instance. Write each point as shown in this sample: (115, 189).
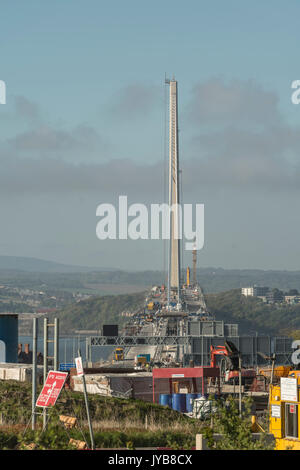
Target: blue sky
(85, 87)
(70, 56)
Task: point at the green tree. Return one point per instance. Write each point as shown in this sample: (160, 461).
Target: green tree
(235, 428)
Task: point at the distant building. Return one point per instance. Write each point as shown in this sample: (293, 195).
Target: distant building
(269, 295)
(292, 299)
(255, 291)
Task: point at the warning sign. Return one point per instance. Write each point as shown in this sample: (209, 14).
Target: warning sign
(288, 389)
(79, 367)
(52, 388)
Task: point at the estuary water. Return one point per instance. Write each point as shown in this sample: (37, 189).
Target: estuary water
(68, 348)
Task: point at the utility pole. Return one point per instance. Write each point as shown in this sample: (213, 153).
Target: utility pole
(54, 358)
(34, 369)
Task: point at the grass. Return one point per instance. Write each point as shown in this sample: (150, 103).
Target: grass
(116, 422)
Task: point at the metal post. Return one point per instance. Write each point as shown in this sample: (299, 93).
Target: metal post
(34, 370)
(56, 343)
(240, 385)
(87, 408)
(86, 351)
(90, 349)
(45, 348)
(45, 366)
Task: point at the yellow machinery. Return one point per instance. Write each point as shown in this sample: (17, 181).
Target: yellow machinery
(284, 402)
(141, 361)
(279, 371)
(188, 277)
(119, 354)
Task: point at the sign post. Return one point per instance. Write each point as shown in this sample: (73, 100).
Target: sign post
(80, 373)
(51, 390)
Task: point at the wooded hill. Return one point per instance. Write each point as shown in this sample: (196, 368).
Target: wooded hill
(91, 314)
(250, 313)
(253, 315)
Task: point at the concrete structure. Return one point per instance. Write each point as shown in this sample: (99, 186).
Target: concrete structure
(19, 372)
(125, 385)
(174, 254)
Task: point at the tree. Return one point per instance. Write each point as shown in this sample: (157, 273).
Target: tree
(236, 429)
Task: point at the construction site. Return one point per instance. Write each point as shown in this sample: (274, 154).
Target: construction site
(173, 351)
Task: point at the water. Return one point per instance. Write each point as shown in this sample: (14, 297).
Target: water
(68, 348)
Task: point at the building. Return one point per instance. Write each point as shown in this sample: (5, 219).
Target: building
(292, 299)
(255, 291)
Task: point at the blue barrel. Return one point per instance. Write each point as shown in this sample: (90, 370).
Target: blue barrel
(165, 399)
(189, 401)
(179, 402)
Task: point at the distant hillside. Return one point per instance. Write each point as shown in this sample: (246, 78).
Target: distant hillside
(253, 315)
(92, 313)
(19, 263)
(26, 272)
(219, 279)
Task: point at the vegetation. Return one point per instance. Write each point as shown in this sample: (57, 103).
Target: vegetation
(56, 438)
(15, 408)
(120, 423)
(234, 427)
(253, 314)
(92, 313)
(116, 422)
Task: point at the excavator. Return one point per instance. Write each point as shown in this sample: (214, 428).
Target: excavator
(232, 364)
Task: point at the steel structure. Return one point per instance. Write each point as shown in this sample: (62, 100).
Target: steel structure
(138, 340)
(197, 348)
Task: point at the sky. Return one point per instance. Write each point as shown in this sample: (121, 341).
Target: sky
(85, 122)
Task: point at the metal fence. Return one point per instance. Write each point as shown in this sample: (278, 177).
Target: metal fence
(249, 346)
(212, 328)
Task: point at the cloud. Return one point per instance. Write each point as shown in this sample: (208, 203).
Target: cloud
(235, 154)
(47, 139)
(50, 175)
(26, 108)
(237, 103)
(134, 101)
(20, 109)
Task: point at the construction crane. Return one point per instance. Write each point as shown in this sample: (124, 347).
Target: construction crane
(194, 264)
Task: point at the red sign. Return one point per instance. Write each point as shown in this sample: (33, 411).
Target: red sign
(52, 388)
